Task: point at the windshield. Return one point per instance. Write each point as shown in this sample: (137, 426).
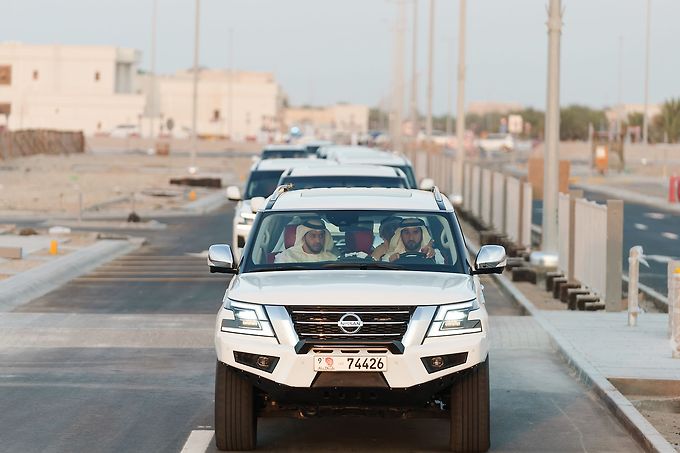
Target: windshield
(391, 240)
(262, 183)
(408, 171)
(312, 182)
(284, 154)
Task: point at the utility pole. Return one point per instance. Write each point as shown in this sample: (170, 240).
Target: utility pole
(230, 88)
(414, 73)
(460, 103)
(152, 91)
(430, 64)
(620, 109)
(194, 134)
(645, 120)
(449, 88)
(552, 136)
(398, 78)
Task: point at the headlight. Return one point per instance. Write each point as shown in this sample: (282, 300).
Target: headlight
(454, 320)
(245, 219)
(239, 317)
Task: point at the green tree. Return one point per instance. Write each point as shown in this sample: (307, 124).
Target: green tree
(635, 119)
(670, 120)
(574, 121)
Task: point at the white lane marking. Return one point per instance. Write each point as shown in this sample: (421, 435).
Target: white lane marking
(668, 235)
(641, 226)
(659, 258)
(203, 254)
(198, 441)
(655, 215)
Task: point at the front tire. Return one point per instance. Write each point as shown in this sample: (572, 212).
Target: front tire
(470, 427)
(235, 417)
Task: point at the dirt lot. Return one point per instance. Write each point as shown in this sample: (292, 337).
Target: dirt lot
(110, 178)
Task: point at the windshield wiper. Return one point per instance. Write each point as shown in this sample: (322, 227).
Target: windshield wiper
(362, 266)
(287, 268)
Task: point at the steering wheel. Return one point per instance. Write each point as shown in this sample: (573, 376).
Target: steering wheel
(352, 256)
(413, 256)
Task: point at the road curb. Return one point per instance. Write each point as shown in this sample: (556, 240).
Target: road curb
(633, 421)
(629, 196)
(33, 283)
(636, 424)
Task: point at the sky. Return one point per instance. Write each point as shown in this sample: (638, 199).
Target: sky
(326, 51)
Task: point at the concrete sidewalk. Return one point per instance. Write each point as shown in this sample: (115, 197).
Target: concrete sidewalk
(603, 350)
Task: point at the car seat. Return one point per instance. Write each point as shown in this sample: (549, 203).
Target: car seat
(359, 241)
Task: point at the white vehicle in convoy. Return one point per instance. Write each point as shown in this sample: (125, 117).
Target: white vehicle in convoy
(344, 176)
(497, 142)
(263, 179)
(353, 301)
(361, 155)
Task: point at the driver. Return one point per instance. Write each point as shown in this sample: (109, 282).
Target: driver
(412, 236)
(313, 243)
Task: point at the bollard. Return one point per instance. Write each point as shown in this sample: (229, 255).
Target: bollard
(675, 314)
(192, 195)
(634, 258)
(54, 247)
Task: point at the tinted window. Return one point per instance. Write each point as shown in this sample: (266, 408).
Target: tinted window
(343, 181)
(284, 154)
(408, 171)
(262, 183)
(354, 239)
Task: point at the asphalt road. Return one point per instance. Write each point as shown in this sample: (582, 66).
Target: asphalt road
(122, 360)
(657, 231)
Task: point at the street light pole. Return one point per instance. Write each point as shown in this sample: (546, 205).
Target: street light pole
(552, 136)
(645, 120)
(414, 73)
(460, 103)
(430, 64)
(152, 91)
(194, 136)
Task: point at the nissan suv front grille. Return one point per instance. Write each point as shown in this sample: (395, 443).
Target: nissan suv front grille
(350, 323)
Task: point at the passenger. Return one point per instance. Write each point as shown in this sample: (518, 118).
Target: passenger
(409, 238)
(313, 243)
(388, 226)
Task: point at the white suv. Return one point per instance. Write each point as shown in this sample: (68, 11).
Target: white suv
(353, 300)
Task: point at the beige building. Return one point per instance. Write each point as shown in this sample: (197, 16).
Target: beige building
(328, 122)
(484, 107)
(239, 104)
(89, 88)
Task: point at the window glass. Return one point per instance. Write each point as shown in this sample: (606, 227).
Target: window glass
(396, 240)
(343, 181)
(262, 183)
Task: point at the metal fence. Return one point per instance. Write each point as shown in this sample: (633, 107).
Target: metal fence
(498, 208)
(564, 222)
(597, 243)
(487, 193)
(39, 141)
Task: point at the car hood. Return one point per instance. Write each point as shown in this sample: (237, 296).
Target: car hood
(351, 287)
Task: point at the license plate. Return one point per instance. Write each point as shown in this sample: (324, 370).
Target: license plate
(349, 363)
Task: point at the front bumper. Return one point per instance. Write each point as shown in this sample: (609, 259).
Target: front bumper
(404, 370)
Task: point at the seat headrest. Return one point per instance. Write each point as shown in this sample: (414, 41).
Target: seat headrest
(359, 241)
(289, 236)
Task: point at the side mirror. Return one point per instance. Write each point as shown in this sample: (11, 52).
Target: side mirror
(426, 184)
(220, 259)
(254, 159)
(257, 203)
(456, 200)
(490, 260)
(234, 193)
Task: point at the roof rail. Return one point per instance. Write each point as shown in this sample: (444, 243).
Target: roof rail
(277, 193)
(438, 198)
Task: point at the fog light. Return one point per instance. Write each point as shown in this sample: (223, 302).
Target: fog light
(441, 362)
(264, 361)
(261, 362)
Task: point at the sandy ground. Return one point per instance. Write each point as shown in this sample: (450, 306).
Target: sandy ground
(108, 180)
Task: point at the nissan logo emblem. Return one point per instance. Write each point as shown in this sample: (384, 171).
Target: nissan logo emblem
(350, 323)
